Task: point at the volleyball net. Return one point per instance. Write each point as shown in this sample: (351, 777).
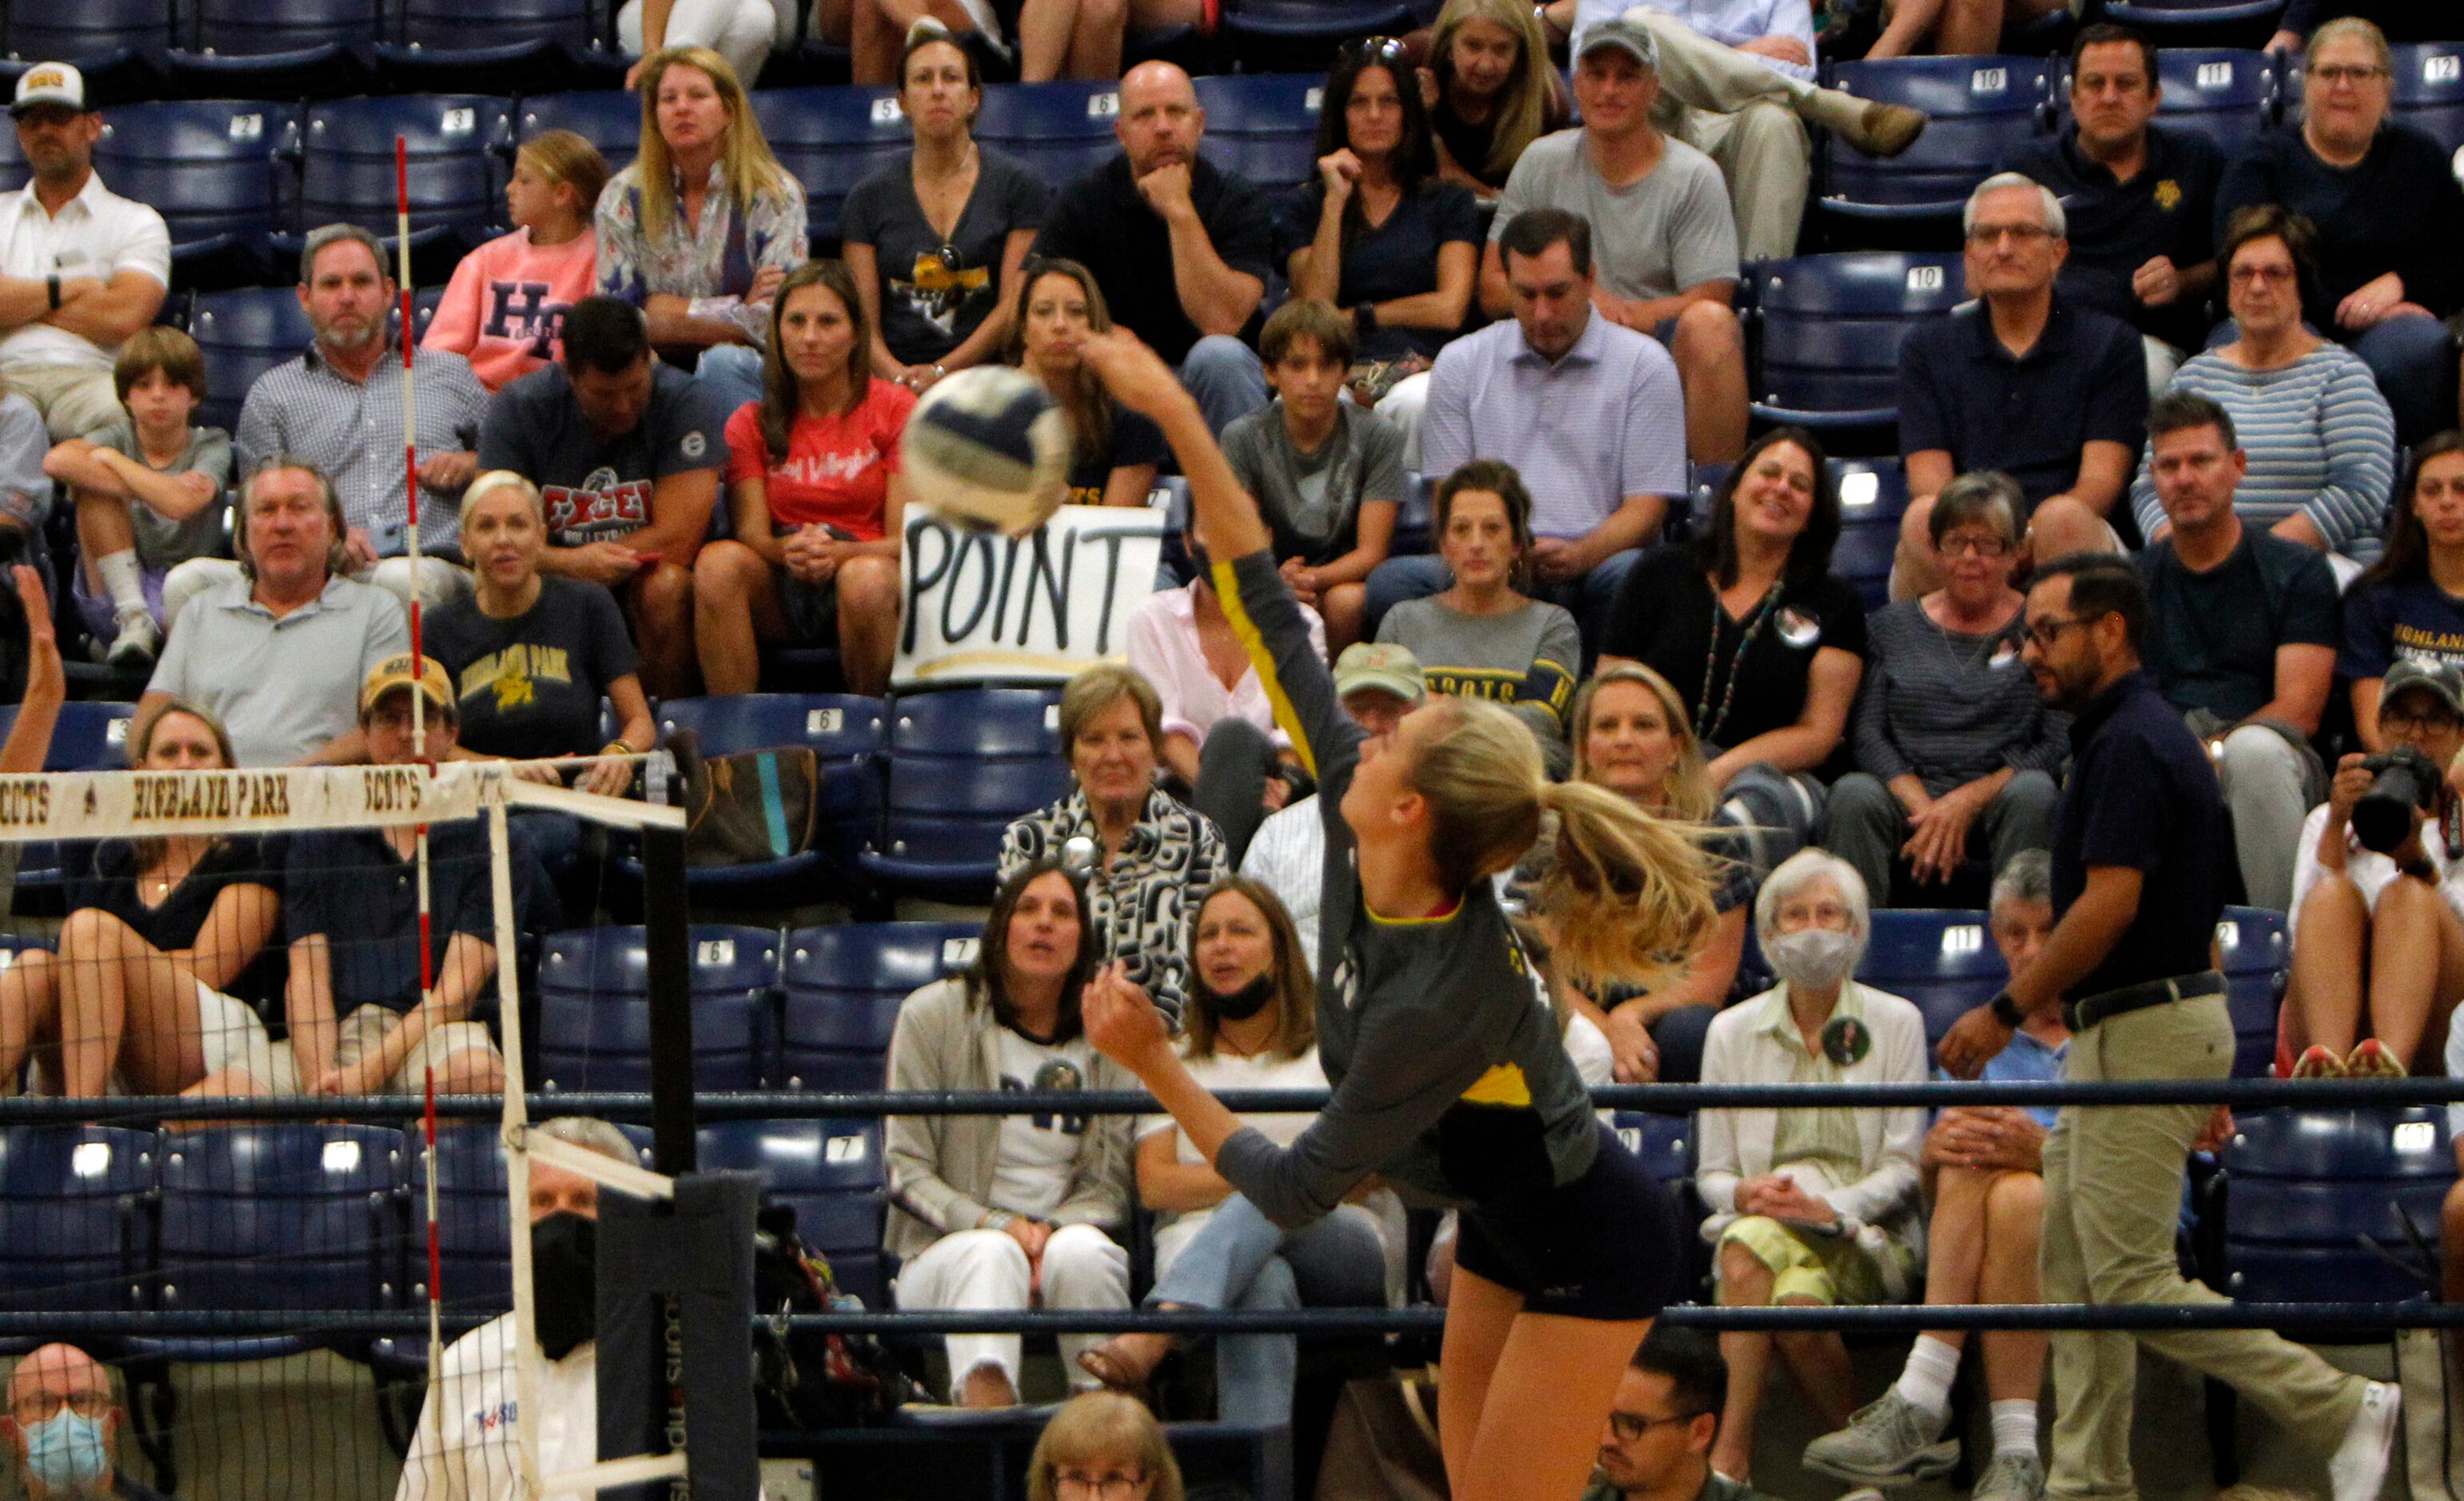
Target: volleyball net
(267, 1175)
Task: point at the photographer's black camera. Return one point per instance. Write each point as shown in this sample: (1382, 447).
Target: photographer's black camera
(2404, 780)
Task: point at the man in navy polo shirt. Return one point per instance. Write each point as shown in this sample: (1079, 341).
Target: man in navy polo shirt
(2138, 884)
(2023, 380)
(2141, 198)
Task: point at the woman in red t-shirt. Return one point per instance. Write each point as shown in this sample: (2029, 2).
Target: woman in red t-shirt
(815, 554)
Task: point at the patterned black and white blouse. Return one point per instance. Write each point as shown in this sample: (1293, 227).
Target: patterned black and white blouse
(1147, 898)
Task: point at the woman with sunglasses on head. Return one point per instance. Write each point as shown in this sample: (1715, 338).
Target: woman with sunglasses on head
(1378, 232)
(1956, 754)
(2384, 198)
(1491, 91)
(937, 242)
(1450, 1080)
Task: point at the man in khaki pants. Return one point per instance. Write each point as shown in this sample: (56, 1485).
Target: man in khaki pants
(2137, 884)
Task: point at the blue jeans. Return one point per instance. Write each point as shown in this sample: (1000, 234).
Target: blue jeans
(733, 372)
(1242, 1259)
(2413, 360)
(1227, 377)
(1421, 575)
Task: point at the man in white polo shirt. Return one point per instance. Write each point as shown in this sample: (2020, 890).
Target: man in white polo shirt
(80, 267)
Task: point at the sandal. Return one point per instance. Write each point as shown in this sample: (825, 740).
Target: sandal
(1110, 1363)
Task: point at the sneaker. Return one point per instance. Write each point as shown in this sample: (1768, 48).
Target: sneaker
(137, 643)
(1888, 1441)
(2359, 1465)
(2011, 1477)
(2317, 1062)
(2370, 1059)
(1886, 130)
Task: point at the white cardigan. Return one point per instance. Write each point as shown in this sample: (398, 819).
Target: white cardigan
(1736, 1145)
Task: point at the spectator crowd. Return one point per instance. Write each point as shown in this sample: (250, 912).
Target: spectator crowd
(2211, 398)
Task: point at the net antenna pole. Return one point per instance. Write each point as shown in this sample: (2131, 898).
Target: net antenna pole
(419, 725)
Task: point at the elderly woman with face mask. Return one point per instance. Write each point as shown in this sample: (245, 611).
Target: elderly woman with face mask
(1816, 1206)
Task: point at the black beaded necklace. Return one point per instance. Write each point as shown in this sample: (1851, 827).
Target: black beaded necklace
(1706, 724)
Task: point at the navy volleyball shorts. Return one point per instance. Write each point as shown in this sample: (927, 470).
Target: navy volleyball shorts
(1604, 1247)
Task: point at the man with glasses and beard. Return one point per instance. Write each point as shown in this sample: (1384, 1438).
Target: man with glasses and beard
(2137, 885)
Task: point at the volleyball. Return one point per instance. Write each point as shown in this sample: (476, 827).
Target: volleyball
(988, 449)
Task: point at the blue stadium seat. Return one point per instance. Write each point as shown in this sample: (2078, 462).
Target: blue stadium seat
(274, 48)
(843, 732)
(829, 1171)
(268, 1217)
(1871, 491)
(345, 151)
(1943, 960)
(2301, 1189)
(964, 762)
(1980, 108)
(14, 171)
(1263, 127)
(525, 45)
(1416, 517)
(1864, 555)
(88, 736)
(2257, 955)
(831, 139)
(1663, 1141)
(595, 1011)
(2225, 94)
(243, 334)
(474, 1246)
(73, 1228)
(2427, 89)
(609, 118)
(1267, 36)
(208, 168)
(116, 43)
(1828, 330)
(1061, 129)
(2243, 23)
(843, 983)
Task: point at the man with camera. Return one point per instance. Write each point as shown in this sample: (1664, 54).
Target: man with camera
(2378, 945)
(2241, 636)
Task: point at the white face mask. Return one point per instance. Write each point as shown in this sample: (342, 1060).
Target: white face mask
(1816, 958)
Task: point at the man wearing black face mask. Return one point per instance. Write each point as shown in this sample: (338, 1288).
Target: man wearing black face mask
(465, 1449)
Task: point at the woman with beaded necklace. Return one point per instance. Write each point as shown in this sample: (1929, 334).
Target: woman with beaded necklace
(1756, 634)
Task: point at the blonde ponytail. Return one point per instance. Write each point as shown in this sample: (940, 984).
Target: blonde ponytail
(1628, 895)
(1630, 892)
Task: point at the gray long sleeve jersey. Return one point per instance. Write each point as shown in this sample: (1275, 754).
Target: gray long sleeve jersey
(1449, 1077)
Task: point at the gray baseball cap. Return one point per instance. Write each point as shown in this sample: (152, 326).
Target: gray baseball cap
(2438, 679)
(1627, 36)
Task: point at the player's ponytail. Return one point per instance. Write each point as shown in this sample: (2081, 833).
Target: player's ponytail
(1629, 893)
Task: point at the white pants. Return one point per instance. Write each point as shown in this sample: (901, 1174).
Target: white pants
(2266, 790)
(74, 400)
(441, 582)
(743, 32)
(1083, 1268)
(1743, 116)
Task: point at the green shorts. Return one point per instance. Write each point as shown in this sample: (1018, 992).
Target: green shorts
(1807, 1267)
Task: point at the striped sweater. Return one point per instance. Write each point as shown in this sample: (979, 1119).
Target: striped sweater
(2321, 441)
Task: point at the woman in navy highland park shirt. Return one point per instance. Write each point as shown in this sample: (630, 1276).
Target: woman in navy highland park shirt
(1450, 1081)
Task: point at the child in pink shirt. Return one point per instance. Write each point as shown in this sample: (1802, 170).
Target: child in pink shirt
(506, 302)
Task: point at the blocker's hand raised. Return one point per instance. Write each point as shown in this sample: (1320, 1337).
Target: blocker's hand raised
(1136, 375)
(1121, 1021)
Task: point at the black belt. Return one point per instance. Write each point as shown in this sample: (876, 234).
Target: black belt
(2105, 1005)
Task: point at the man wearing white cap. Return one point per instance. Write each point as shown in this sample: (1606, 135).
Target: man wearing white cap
(80, 267)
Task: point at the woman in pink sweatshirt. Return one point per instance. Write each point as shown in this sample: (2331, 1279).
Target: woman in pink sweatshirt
(505, 305)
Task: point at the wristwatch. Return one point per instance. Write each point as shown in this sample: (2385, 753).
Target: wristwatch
(52, 286)
(2006, 1010)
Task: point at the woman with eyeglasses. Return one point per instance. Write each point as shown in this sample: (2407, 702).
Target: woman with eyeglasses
(1009, 1211)
(1102, 1447)
(1114, 451)
(1378, 232)
(2390, 216)
(1491, 91)
(2410, 602)
(1956, 754)
(1762, 641)
(937, 242)
(2318, 434)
